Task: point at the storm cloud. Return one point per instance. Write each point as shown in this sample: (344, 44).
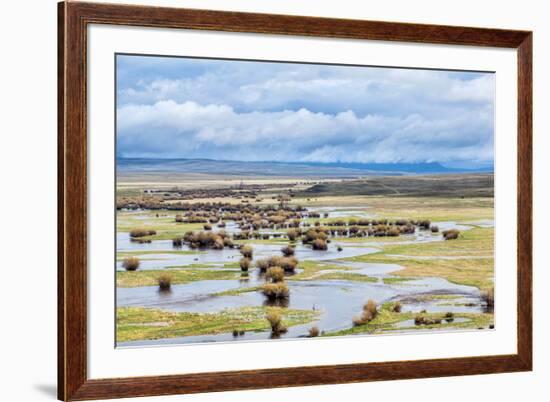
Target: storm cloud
(259, 111)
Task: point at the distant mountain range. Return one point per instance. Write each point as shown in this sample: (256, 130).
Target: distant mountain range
(292, 169)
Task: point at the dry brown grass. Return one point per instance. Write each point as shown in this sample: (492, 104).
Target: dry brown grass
(165, 281)
(293, 234)
(313, 332)
(245, 264)
(247, 251)
(451, 234)
(275, 321)
(275, 274)
(488, 296)
(274, 291)
(130, 263)
(288, 251)
(319, 244)
(369, 313)
(135, 233)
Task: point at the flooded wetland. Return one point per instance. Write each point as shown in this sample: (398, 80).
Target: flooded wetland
(335, 254)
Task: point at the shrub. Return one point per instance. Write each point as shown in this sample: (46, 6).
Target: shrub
(488, 296)
(287, 263)
(319, 244)
(246, 251)
(165, 281)
(218, 243)
(179, 218)
(397, 307)
(451, 234)
(262, 264)
(419, 320)
(245, 264)
(275, 274)
(288, 251)
(369, 313)
(142, 233)
(407, 229)
(422, 320)
(292, 234)
(275, 321)
(434, 228)
(313, 234)
(275, 291)
(130, 263)
(393, 232)
(449, 317)
(424, 224)
(371, 307)
(313, 332)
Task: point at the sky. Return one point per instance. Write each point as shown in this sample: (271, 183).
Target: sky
(170, 107)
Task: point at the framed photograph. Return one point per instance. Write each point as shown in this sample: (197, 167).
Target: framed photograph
(254, 201)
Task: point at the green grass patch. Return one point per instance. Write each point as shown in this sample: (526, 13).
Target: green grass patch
(346, 276)
(373, 239)
(125, 279)
(135, 323)
(314, 270)
(387, 319)
(227, 265)
(477, 271)
(236, 292)
(474, 242)
(396, 280)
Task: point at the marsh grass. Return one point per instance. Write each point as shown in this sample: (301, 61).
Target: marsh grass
(488, 296)
(275, 321)
(319, 244)
(370, 310)
(275, 274)
(288, 251)
(137, 323)
(165, 281)
(314, 332)
(477, 271)
(136, 233)
(451, 234)
(247, 251)
(179, 276)
(275, 291)
(245, 264)
(130, 263)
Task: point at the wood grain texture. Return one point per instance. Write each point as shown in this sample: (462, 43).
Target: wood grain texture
(525, 202)
(73, 383)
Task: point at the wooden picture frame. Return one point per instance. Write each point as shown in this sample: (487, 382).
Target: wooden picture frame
(73, 381)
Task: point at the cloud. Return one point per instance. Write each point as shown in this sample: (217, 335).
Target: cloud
(188, 129)
(294, 112)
